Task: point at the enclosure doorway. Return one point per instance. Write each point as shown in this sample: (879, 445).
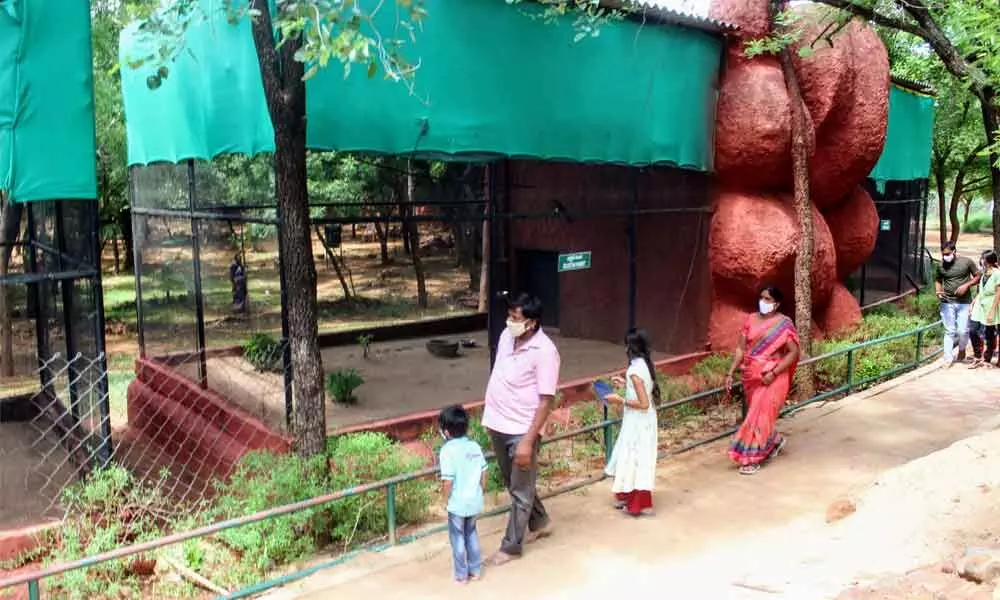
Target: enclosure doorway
(537, 272)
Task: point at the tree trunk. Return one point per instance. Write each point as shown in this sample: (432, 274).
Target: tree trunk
(10, 225)
(286, 100)
(802, 132)
(956, 196)
(383, 242)
(967, 205)
(336, 263)
(413, 236)
(939, 179)
(991, 121)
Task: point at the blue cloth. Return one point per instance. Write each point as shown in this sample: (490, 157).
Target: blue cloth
(465, 554)
(955, 317)
(463, 463)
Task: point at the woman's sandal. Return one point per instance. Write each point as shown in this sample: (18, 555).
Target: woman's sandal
(749, 469)
(777, 449)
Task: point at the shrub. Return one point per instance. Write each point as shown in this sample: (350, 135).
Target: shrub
(342, 383)
(672, 388)
(978, 223)
(713, 369)
(263, 480)
(108, 510)
(365, 457)
(925, 305)
(264, 353)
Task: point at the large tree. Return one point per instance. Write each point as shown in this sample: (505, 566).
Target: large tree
(292, 44)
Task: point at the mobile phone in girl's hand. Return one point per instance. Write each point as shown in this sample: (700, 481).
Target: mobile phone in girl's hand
(603, 390)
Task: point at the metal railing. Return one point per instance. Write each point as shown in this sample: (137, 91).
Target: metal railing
(33, 578)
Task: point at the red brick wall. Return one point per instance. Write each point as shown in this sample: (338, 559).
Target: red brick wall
(673, 288)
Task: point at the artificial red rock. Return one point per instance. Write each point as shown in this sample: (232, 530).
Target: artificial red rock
(753, 241)
(850, 141)
(749, 15)
(841, 313)
(853, 223)
(753, 126)
(824, 75)
(725, 321)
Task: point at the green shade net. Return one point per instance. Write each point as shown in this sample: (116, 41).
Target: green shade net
(47, 146)
(491, 82)
(908, 140)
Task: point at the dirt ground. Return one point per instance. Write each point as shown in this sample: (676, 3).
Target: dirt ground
(33, 471)
(902, 453)
(400, 377)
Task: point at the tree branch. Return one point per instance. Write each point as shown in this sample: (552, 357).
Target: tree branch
(943, 47)
(875, 17)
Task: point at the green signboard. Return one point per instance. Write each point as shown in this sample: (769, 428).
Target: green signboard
(575, 261)
(885, 225)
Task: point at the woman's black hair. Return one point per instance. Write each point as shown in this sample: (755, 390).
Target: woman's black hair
(773, 292)
(637, 344)
(454, 420)
(990, 258)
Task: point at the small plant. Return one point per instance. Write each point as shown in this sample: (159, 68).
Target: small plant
(713, 369)
(264, 353)
(365, 341)
(342, 383)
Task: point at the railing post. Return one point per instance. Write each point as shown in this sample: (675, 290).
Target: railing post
(607, 437)
(850, 371)
(33, 592)
(390, 509)
(920, 345)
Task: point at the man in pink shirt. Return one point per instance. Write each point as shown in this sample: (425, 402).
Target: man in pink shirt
(519, 398)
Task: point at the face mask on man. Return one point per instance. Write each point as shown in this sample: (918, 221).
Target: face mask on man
(517, 328)
(765, 307)
(948, 258)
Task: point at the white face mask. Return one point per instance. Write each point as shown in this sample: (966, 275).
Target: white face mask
(765, 307)
(517, 328)
(949, 258)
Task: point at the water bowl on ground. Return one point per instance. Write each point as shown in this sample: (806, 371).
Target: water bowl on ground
(443, 348)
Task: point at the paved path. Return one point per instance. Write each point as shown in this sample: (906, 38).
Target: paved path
(715, 532)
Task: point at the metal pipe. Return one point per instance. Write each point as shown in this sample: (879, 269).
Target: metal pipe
(136, 264)
(633, 232)
(494, 322)
(199, 299)
(66, 290)
(35, 299)
(390, 509)
(103, 391)
(35, 278)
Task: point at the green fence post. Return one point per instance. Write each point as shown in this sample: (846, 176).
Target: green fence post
(850, 371)
(33, 592)
(607, 437)
(920, 345)
(390, 509)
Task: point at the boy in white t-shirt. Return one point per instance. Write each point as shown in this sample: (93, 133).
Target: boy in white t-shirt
(463, 469)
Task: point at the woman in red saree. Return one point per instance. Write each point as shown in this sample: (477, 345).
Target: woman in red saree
(768, 351)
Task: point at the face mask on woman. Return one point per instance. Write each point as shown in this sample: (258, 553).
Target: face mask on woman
(765, 307)
(517, 328)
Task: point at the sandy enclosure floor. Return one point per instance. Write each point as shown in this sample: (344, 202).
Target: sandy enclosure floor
(922, 488)
(400, 377)
(33, 471)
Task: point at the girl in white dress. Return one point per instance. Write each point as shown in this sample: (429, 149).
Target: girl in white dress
(633, 460)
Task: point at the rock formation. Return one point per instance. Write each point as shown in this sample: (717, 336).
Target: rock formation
(754, 234)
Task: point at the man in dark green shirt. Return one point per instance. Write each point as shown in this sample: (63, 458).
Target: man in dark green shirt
(953, 281)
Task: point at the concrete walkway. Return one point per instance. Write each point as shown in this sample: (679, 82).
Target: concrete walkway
(716, 535)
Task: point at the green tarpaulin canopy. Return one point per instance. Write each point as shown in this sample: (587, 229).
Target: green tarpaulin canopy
(46, 101)
(909, 138)
(491, 82)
